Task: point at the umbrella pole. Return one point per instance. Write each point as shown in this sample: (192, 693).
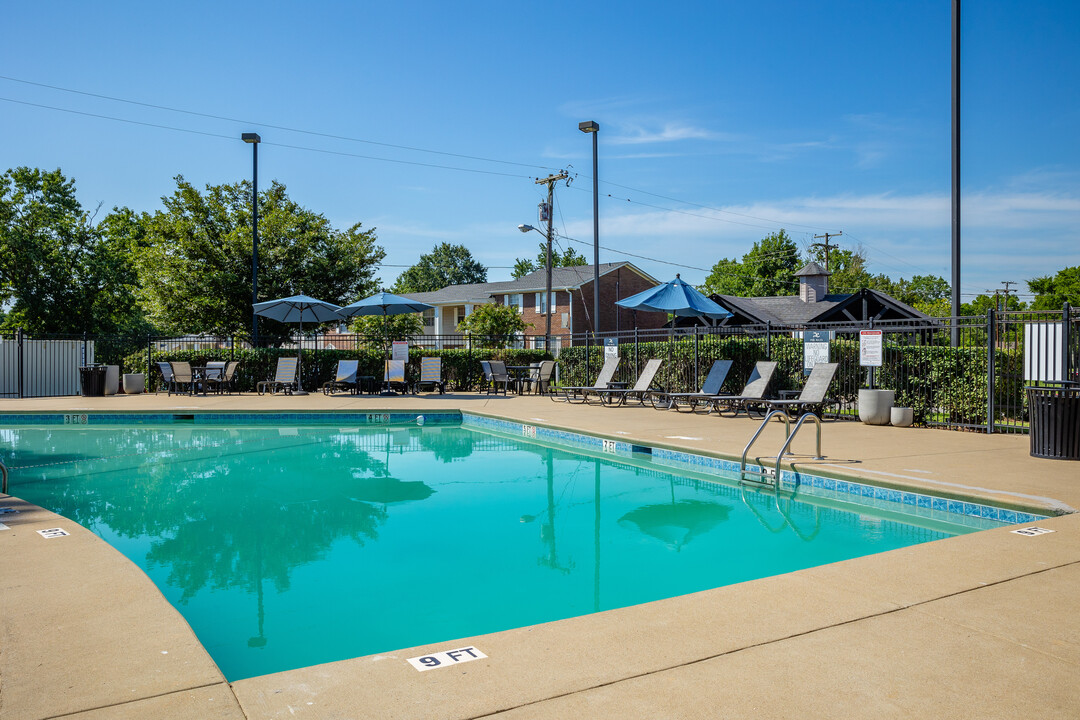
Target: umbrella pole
(299, 359)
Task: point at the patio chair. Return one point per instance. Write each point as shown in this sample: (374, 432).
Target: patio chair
(812, 397)
(430, 375)
(345, 379)
(713, 382)
(182, 375)
(394, 377)
(753, 392)
(284, 378)
(166, 377)
(540, 380)
(226, 379)
(641, 390)
(499, 376)
(580, 393)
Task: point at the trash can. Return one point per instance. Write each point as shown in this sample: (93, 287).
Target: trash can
(1055, 422)
(92, 378)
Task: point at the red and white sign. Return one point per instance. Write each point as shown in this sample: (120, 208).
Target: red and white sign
(871, 348)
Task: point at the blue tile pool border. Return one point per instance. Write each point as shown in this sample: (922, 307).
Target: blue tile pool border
(920, 504)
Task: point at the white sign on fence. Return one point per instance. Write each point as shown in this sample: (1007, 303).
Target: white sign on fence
(611, 348)
(871, 348)
(401, 350)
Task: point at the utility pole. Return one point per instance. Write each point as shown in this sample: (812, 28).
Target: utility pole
(826, 246)
(550, 181)
(1006, 291)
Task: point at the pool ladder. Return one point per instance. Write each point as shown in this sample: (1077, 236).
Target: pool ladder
(771, 476)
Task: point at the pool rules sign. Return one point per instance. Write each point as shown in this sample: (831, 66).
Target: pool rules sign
(871, 348)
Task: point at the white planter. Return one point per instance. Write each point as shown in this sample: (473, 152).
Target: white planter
(902, 416)
(134, 383)
(875, 406)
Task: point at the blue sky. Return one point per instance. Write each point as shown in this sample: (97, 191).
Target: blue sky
(721, 122)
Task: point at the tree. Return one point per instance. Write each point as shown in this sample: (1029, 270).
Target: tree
(494, 323)
(445, 265)
(195, 266)
(386, 329)
(1051, 293)
(768, 269)
(58, 272)
(567, 258)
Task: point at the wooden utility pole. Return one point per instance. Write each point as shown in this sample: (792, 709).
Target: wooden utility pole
(826, 245)
(550, 181)
(1006, 292)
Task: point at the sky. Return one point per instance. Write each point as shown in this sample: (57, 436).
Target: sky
(720, 122)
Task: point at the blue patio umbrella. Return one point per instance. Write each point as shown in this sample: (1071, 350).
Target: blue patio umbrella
(677, 298)
(297, 309)
(384, 303)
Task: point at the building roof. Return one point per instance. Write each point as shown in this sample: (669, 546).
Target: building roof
(812, 269)
(564, 278)
(833, 308)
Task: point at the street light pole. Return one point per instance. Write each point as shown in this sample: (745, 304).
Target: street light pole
(254, 140)
(591, 127)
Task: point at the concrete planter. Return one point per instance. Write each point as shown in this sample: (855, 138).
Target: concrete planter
(902, 416)
(134, 383)
(875, 406)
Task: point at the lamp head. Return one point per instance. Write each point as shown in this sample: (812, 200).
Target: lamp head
(588, 126)
(251, 138)
(525, 228)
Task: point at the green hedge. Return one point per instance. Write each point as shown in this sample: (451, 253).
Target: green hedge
(942, 384)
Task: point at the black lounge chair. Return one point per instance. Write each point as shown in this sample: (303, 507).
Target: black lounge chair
(711, 387)
(752, 393)
(641, 390)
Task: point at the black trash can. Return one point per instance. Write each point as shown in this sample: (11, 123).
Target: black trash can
(1055, 422)
(92, 379)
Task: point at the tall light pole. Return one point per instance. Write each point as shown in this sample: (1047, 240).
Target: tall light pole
(254, 139)
(955, 170)
(591, 127)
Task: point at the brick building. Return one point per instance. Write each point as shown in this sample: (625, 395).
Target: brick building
(572, 303)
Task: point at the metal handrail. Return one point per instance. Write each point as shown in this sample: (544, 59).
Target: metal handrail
(787, 434)
(791, 437)
(3, 477)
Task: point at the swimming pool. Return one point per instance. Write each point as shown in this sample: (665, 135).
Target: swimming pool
(290, 545)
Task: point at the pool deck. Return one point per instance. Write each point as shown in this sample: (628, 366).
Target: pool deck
(984, 625)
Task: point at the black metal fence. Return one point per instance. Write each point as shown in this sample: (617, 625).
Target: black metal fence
(977, 383)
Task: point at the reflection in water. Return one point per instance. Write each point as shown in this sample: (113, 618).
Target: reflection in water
(676, 523)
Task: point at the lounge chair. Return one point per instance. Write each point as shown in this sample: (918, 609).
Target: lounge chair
(226, 379)
(574, 393)
(345, 379)
(394, 377)
(284, 378)
(812, 397)
(641, 390)
(713, 382)
(430, 375)
(182, 375)
(166, 377)
(753, 392)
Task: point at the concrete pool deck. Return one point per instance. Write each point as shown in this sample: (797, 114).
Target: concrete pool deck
(980, 625)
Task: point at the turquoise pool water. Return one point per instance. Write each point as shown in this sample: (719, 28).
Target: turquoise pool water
(288, 547)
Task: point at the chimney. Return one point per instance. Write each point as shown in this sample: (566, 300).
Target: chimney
(813, 282)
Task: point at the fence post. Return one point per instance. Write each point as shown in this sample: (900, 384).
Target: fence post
(1066, 311)
(84, 348)
(697, 358)
(19, 347)
(990, 371)
(149, 360)
(768, 339)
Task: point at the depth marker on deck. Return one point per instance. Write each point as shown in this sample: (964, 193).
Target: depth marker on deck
(1031, 531)
(446, 659)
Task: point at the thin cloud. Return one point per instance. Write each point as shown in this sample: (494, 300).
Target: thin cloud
(670, 132)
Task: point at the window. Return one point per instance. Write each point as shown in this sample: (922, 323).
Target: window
(459, 315)
(429, 318)
(517, 300)
(541, 306)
